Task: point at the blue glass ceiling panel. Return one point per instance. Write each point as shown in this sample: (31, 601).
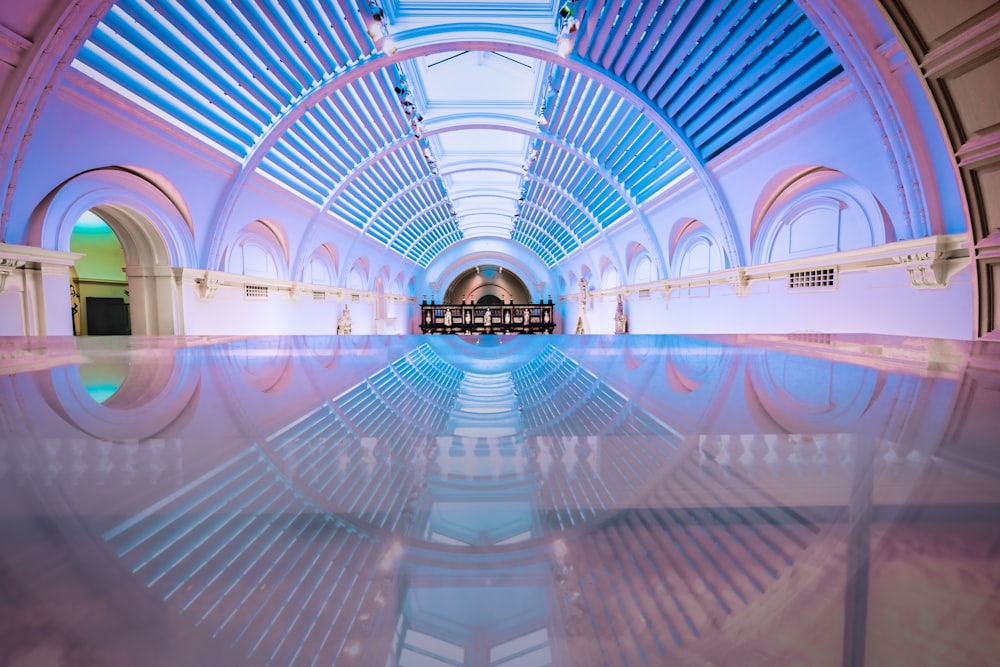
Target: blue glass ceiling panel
(223, 71)
(624, 142)
(720, 69)
(594, 198)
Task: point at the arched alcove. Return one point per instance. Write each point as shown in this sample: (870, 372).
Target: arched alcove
(696, 251)
(821, 211)
(643, 270)
(357, 277)
(258, 251)
(488, 285)
(322, 266)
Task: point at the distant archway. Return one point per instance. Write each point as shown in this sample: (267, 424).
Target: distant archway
(489, 300)
(487, 285)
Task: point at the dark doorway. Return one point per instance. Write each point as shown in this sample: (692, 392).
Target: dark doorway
(489, 300)
(107, 316)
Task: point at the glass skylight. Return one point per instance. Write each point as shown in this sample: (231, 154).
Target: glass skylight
(493, 143)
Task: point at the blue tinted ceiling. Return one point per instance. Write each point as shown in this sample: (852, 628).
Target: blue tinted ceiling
(718, 68)
(228, 72)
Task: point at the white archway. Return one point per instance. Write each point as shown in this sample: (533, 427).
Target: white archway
(154, 236)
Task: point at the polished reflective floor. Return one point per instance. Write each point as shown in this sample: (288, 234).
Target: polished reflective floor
(499, 501)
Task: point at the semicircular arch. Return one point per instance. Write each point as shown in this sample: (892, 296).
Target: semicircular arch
(152, 230)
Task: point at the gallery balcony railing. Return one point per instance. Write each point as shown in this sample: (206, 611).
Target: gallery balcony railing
(512, 318)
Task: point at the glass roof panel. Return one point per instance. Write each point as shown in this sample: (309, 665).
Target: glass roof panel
(479, 78)
(482, 142)
(229, 74)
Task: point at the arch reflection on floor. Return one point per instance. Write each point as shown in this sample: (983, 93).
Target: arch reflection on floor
(499, 501)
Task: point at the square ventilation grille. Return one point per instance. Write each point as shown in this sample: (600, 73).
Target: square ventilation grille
(812, 337)
(319, 296)
(812, 279)
(255, 291)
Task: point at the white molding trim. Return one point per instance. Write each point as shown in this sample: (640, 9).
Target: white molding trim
(208, 283)
(34, 257)
(929, 262)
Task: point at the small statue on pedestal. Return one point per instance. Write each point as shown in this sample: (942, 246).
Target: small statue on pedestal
(621, 323)
(344, 322)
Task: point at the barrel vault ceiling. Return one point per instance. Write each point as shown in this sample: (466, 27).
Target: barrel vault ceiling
(369, 113)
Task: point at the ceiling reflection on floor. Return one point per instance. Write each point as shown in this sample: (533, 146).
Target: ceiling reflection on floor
(517, 502)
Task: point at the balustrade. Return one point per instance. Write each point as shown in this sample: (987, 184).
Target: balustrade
(512, 318)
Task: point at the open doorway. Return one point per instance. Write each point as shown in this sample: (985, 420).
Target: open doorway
(489, 300)
(99, 289)
(133, 264)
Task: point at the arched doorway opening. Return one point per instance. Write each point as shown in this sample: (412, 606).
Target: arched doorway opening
(489, 300)
(487, 285)
(145, 227)
(136, 296)
(99, 286)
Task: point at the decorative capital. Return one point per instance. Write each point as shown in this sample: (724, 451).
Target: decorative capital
(208, 286)
(7, 266)
(927, 269)
(740, 282)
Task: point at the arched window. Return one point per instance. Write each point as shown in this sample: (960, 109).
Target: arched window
(698, 253)
(610, 279)
(322, 267)
(257, 252)
(252, 258)
(822, 212)
(641, 270)
(639, 264)
(357, 279)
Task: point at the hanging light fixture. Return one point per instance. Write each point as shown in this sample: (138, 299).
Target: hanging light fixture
(568, 26)
(378, 29)
(375, 27)
(564, 45)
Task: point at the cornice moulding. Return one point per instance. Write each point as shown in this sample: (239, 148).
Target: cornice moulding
(930, 261)
(35, 257)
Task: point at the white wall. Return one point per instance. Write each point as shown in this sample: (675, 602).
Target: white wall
(224, 307)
